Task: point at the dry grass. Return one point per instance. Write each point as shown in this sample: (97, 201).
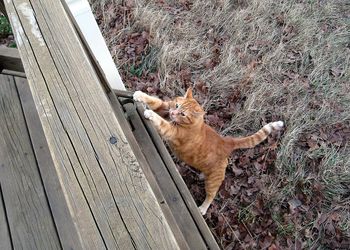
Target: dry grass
(252, 62)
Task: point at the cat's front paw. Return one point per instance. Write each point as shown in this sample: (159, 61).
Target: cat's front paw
(139, 96)
(148, 114)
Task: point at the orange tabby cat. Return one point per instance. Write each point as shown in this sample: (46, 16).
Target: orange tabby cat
(196, 143)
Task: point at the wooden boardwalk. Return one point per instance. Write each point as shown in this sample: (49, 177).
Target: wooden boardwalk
(28, 186)
(25, 215)
(105, 191)
(72, 175)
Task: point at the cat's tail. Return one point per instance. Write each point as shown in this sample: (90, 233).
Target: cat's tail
(252, 140)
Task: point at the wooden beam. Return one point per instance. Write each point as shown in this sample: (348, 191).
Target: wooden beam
(13, 73)
(28, 213)
(148, 169)
(10, 59)
(105, 188)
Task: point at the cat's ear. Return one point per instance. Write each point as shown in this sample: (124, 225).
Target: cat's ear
(188, 94)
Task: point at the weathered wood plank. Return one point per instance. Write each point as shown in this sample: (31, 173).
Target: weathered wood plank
(13, 73)
(67, 231)
(108, 195)
(5, 237)
(28, 213)
(173, 223)
(10, 59)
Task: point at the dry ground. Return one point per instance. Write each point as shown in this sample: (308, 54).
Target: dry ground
(252, 62)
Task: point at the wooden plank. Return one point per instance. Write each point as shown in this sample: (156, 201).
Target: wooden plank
(13, 73)
(5, 237)
(158, 191)
(106, 191)
(29, 216)
(70, 239)
(10, 59)
(169, 189)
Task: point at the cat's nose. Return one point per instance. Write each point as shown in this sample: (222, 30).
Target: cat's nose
(173, 112)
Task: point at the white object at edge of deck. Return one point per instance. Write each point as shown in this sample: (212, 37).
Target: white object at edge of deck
(83, 16)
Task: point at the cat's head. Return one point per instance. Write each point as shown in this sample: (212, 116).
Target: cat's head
(186, 111)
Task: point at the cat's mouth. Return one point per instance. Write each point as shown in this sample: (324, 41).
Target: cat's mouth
(173, 120)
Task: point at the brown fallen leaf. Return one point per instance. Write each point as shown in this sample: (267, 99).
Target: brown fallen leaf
(234, 190)
(266, 242)
(293, 204)
(273, 247)
(236, 171)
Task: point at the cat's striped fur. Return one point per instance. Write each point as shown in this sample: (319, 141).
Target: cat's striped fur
(196, 143)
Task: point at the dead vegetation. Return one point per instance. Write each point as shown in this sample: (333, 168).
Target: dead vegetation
(252, 62)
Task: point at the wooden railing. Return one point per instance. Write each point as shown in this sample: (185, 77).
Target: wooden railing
(106, 194)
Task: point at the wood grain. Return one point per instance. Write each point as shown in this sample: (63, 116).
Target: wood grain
(28, 213)
(107, 193)
(68, 234)
(159, 192)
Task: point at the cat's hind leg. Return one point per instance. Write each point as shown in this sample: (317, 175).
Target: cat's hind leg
(201, 176)
(212, 182)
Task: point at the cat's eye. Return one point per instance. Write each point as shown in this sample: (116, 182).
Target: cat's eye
(177, 105)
